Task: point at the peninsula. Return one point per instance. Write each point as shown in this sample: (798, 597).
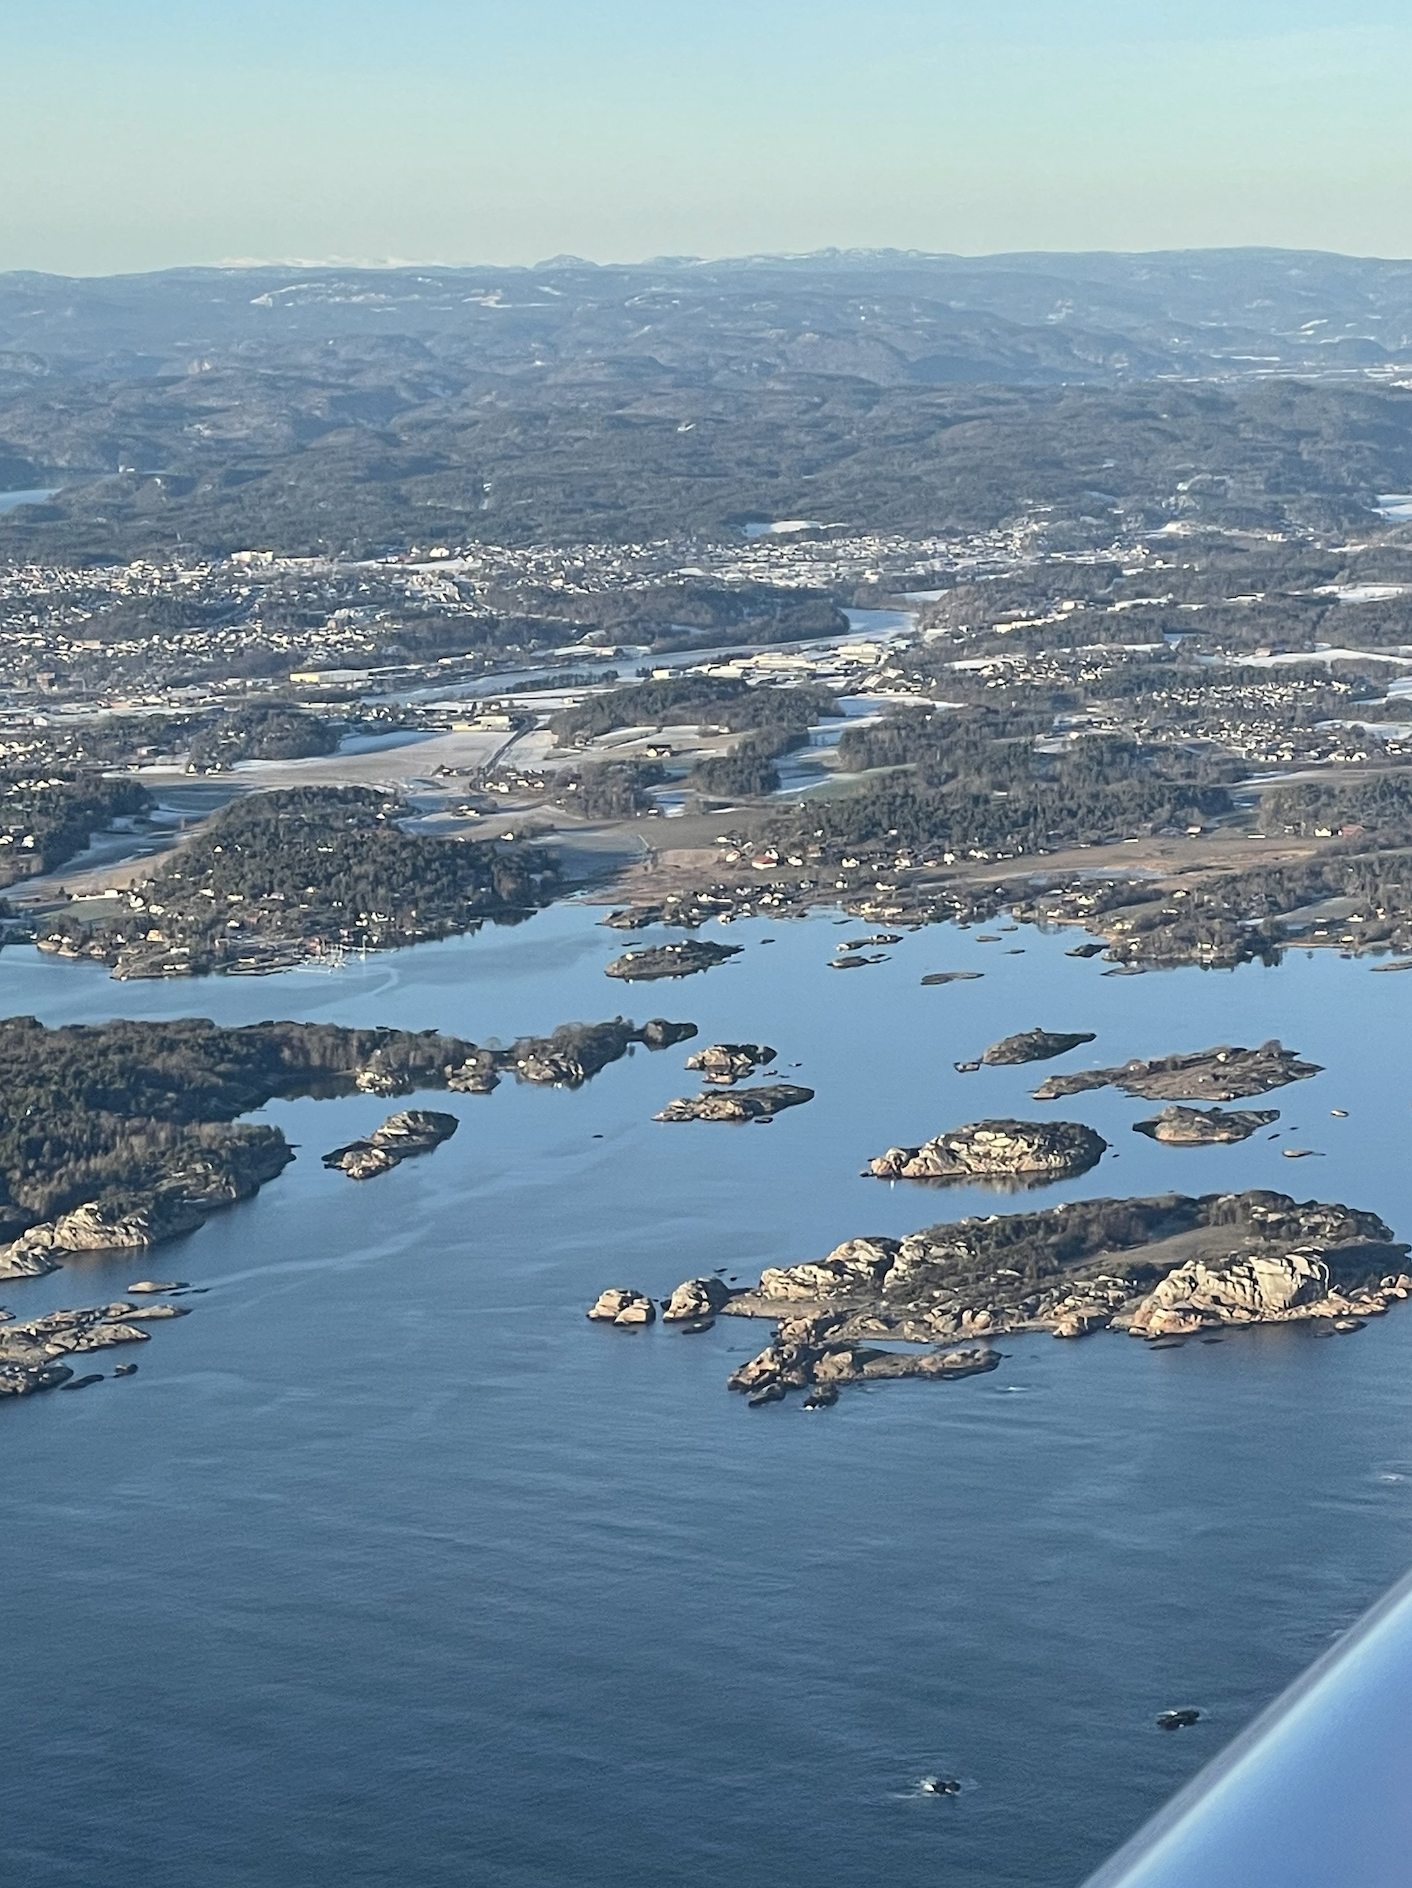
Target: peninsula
(125, 1134)
(279, 877)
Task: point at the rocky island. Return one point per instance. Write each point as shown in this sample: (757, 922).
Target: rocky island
(1029, 1152)
(124, 1134)
(413, 1131)
(1205, 1127)
(742, 1104)
(724, 1063)
(1096, 1262)
(32, 1353)
(621, 1306)
(1220, 1074)
(1035, 1045)
(670, 960)
(1155, 1267)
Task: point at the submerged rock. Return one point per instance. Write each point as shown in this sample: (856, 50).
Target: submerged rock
(726, 1062)
(1221, 1074)
(413, 1131)
(741, 1104)
(1204, 1127)
(671, 960)
(1001, 1149)
(1035, 1045)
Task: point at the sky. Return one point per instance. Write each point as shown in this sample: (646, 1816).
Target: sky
(156, 133)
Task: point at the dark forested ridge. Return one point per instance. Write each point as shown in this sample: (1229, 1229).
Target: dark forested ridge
(988, 781)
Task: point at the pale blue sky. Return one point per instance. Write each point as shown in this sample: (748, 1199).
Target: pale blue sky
(139, 134)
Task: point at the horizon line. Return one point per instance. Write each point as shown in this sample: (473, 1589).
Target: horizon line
(400, 265)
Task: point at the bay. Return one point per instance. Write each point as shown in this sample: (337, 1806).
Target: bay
(388, 1566)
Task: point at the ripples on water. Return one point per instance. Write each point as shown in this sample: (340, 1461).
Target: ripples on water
(388, 1567)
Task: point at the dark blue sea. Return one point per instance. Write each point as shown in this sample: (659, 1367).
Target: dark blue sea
(389, 1568)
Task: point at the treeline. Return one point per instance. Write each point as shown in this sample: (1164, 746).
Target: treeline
(1036, 816)
(974, 780)
(263, 731)
(121, 1111)
(1380, 805)
(756, 612)
(46, 821)
(722, 702)
(749, 770)
(615, 789)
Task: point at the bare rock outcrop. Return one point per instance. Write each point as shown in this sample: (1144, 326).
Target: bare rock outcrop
(996, 1149)
(696, 1298)
(726, 1062)
(742, 1104)
(856, 1269)
(1220, 1074)
(1035, 1045)
(1258, 1288)
(413, 1131)
(1205, 1127)
(621, 1306)
(100, 1226)
(813, 1353)
(31, 1353)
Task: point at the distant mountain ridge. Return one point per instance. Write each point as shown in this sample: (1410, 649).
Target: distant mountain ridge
(888, 316)
(350, 409)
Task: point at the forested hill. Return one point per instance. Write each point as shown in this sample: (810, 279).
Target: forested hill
(350, 410)
(278, 875)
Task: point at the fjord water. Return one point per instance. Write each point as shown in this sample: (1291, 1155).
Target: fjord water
(389, 1567)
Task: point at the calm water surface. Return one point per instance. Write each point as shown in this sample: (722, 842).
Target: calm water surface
(389, 1568)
